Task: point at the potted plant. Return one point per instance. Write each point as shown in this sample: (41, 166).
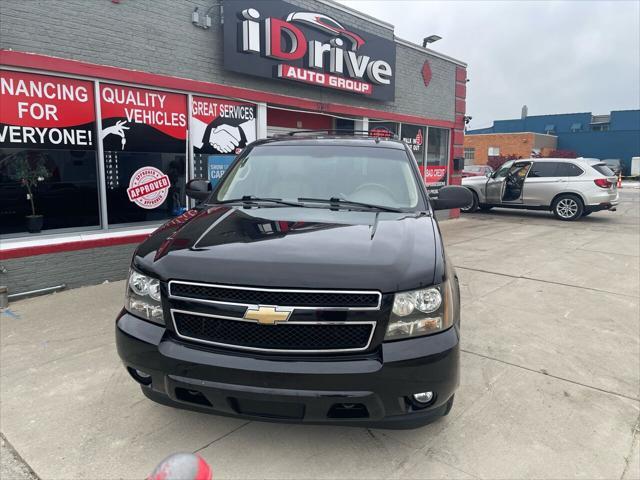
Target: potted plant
(28, 168)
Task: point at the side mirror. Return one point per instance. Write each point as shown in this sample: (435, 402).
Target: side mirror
(198, 189)
(452, 196)
(489, 174)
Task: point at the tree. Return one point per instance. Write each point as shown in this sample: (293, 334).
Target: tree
(556, 154)
(562, 154)
(497, 160)
(28, 168)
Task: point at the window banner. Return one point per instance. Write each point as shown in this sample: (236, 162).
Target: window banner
(217, 166)
(413, 135)
(382, 129)
(221, 126)
(435, 177)
(40, 111)
(141, 120)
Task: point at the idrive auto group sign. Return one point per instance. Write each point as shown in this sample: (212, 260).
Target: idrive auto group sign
(274, 39)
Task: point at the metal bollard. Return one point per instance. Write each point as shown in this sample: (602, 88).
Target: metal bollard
(4, 297)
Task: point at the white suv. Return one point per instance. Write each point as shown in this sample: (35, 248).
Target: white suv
(570, 188)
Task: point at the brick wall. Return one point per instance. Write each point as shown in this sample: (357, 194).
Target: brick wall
(158, 37)
(75, 269)
(520, 144)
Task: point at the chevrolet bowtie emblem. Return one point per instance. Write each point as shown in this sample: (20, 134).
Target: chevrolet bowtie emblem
(268, 315)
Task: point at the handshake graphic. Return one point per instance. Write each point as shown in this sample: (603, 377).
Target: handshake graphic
(225, 138)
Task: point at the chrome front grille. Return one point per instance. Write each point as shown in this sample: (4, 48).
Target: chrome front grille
(220, 322)
(314, 299)
(301, 337)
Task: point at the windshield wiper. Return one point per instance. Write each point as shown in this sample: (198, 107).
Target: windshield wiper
(251, 200)
(336, 202)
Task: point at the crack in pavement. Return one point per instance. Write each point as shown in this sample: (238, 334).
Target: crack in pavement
(54, 360)
(545, 373)
(627, 458)
(546, 281)
(17, 458)
(475, 237)
(222, 437)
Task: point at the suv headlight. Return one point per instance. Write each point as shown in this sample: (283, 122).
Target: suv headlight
(420, 312)
(143, 297)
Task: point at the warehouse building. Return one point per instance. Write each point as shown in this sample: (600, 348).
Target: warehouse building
(612, 136)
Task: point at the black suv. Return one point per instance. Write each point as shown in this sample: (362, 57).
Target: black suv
(311, 285)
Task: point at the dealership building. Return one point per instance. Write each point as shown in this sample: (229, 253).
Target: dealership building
(108, 107)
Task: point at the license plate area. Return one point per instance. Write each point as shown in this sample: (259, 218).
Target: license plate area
(267, 409)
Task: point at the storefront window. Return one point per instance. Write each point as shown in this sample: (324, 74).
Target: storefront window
(382, 129)
(413, 136)
(123, 168)
(48, 169)
(144, 140)
(438, 146)
(65, 193)
(437, 157)
(220, 129)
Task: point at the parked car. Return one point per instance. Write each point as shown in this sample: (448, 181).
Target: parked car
(476, 171)
(311, 285)
(570, 188)
(614, 164)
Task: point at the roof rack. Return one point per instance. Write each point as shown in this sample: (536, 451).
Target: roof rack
(346, 132)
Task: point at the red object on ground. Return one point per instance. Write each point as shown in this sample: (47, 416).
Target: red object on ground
(182, 466)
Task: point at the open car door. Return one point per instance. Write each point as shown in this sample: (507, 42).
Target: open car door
(496, 183)
(514, 182)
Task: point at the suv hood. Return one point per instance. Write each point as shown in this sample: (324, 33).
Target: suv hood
(477, 180)
(294, 248)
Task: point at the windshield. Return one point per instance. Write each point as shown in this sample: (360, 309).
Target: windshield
(372, 175)
(502, 172)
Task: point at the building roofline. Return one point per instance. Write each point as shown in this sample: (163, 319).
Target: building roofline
(357, 13)
(389, 26)
(468, 134)
(409, 44)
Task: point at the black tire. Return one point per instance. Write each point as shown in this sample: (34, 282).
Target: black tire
(567, 207)
(586, 212)
(485, 208)
(474, 204)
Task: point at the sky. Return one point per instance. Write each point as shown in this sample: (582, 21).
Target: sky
(553, 56)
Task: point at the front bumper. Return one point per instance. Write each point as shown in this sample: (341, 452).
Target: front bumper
(369, 389)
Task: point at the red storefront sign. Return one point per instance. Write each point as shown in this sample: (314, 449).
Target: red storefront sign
(435, 177)
(40, 111)
(142, 120)
(305, 75)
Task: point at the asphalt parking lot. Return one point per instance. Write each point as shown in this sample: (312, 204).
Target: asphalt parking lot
(550, 382)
